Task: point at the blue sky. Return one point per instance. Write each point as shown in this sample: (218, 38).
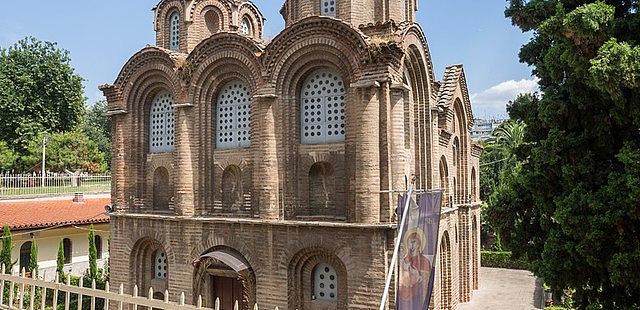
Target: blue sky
(102, 35)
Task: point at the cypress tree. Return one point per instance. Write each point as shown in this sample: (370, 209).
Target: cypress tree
(60, 261)
(33, 257)
(7, 247)
(93, 255)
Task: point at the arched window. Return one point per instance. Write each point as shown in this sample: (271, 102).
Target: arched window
(322, 99)
(161, 192)
(67, 248)
(98, 241)
(160, 265)
(212, 20)
(162, 124)
(245, 27)
(233, 111)
(174, 31)
(25, 255)
(474, 186)
(325, 283)
(328, 8)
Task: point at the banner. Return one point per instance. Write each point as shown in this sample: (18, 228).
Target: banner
(418, 250)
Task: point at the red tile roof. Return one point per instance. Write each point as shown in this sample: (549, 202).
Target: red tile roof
(51, 212)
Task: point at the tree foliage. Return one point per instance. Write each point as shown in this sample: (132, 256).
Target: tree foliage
(68, 151)
(8, 157)
(60, 261)
(39, 91)
(572, 207)
(93, 255)
(33, 256)
(7, 248)
(97, 127)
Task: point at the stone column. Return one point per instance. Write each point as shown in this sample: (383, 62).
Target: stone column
(118, 177)
(183, 161)
(265, 163)
(400, 172)
(367, 153)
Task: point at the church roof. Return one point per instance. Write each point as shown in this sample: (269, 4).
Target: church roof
(454, 77)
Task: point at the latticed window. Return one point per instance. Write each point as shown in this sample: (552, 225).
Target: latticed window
(245, 28)
(160, 265)
(233, 111)
(328, 8)
(162, 124)
(322, 108)
(325, 286)
(174, 31)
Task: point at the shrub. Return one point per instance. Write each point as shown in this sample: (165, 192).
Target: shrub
(502, 260)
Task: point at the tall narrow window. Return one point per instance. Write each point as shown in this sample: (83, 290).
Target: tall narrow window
(67, 248)
(174, 31)
(322, 108)
(245, 28)
(160, 265)
(98, 241)
(233, 111)
(25, 255)
(325, 283)
(162, 124)
(328, 8)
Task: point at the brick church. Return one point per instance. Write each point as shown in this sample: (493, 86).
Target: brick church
(267, 170)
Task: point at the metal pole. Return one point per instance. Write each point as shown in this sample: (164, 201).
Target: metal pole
(44, 156)
(394, 259)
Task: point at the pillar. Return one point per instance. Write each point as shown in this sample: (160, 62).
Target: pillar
(118, 177)
(265, 171)
(183, 161)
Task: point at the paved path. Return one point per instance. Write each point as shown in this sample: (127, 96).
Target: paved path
(504, 289)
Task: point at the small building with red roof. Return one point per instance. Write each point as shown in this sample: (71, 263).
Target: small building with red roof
(56, 221)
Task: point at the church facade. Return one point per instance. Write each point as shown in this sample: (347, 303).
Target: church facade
(268, 170)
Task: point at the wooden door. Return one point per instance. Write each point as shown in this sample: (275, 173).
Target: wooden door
(228, 290)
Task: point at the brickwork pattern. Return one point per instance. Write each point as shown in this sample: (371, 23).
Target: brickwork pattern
(279, 205)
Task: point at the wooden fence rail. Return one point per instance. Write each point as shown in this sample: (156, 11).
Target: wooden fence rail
(22, 289)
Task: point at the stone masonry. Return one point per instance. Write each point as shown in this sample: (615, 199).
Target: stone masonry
(264, 162)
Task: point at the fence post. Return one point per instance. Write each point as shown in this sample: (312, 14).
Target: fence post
(43, 300)
(80, 284)
(106, 300)
(217, 303)
(55, 293)
(135, 294)
(121, 292)
(199, 304)
(2, 287)
(166, 296)
(11, 288)
(33, 291)
(22, 287)
(182, 299)
(93, 298)
(67, 299)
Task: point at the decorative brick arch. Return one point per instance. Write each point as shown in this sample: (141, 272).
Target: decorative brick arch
(198, 5)
(142, 248)
(446, 274)
(212, 241)
(443, 169)
(414, 36)
(300, 276)
(257, 19)
(164, 10)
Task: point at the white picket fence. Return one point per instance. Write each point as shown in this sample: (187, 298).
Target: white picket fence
(21, 185)
(21, 287)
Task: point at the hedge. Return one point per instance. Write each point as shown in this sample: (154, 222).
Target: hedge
(502, 260)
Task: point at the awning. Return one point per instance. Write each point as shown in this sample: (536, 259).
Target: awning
(228, 259)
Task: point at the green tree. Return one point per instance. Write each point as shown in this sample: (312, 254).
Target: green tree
(60, 261)
(8, 157)
(39, 92)
(93, 255)
(33, 257)
(7, 248)
(572, 207)
(97, 127)
(68, 151)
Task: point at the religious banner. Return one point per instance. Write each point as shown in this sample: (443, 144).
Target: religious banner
(416, 266)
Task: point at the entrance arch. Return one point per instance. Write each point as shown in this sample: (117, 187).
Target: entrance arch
(223, 273)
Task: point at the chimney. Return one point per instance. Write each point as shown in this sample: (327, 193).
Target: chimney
(78, 198)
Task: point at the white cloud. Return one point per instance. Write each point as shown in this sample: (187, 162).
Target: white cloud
(492, 102)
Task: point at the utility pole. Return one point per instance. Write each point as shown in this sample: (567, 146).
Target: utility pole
(44, 157)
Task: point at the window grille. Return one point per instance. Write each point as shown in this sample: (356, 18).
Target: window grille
(233, 111)
(245, 28)
(325, 286)
(328, 8)
(322, 108)
(160, 265)
(162, 124)
(174, 32)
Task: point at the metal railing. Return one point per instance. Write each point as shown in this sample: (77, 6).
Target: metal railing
(28, 185)
(17, 293)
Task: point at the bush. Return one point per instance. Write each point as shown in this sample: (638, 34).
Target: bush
(502, 260)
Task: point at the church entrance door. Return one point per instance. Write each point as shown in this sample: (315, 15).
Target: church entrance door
(228, 290)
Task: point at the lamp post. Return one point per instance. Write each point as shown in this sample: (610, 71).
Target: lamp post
(44, 157)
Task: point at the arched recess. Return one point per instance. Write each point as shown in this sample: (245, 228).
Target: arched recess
(474, 185)
(67, 249)
(254, 16)
(163, 26)
(214, 20)
(308, 269)
(232, 193)
(444, 181)
(224, 273)
(446, 283)
(321, 188)
(150, 265)
(25, 256)
(461, 128)
(458, 165)
(162, 192)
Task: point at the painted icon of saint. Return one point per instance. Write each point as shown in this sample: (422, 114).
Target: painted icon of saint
(415, 271)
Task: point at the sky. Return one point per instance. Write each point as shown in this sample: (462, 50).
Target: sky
(102, 35)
